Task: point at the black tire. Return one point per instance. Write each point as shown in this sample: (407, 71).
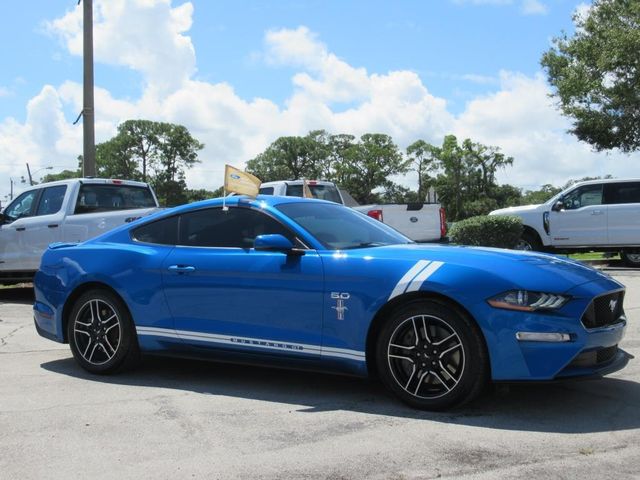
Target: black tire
(631, 257)
(101, 333)
(529, 241)
(429, 372)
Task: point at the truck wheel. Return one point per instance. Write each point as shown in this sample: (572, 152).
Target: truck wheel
(529, 241)
(101, 333)
(431, 356)
(631, 258)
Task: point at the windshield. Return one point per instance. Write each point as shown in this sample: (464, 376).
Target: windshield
(341, 228)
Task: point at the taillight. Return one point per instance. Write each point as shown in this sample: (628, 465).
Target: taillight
(116, 182)
(443, 223)
(377, 214)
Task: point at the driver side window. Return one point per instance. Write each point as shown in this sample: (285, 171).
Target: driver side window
(23, 206)
(236, 227)
(583, 197)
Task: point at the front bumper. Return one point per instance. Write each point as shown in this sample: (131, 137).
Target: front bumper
(518, 360)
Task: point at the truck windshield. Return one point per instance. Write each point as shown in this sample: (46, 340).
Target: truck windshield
(323, 192)
(341, 228)
(103, 198)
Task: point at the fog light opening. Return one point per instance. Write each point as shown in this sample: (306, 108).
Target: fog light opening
(543, 337)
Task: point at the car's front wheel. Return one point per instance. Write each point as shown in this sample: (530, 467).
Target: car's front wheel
(529, 242)
(101, 333)
(432, 356)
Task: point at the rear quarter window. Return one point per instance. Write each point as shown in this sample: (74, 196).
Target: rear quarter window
(627, 192)
(162, 232)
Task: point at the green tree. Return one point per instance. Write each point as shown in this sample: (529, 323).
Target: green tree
(288, 158)
(466, 181)
(156, 152)
(596, 73)
(340, 147)
(195, 195)
(114, 160)
(368, 164)
(536, 197)
(63, 175)
(423, 157)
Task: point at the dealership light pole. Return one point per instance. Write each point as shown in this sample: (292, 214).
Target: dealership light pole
(88, 120)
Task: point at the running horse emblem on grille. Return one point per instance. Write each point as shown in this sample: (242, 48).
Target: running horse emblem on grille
(612, 305)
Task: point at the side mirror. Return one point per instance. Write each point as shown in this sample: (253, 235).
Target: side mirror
(3, 219)
(275, 243)
(559, 205)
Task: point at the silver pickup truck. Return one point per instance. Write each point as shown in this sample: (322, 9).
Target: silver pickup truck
(422, 222)
(65, 211)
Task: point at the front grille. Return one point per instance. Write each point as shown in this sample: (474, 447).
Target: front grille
(594, 358)
(604, 310)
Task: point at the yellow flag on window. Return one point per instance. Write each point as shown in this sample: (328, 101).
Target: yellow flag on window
(240, 182)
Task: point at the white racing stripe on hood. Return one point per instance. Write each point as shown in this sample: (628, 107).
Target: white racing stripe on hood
(401, 286)
(422, 276)
(415, 277)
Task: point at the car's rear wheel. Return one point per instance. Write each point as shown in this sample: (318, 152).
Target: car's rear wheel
(432, 356)
(101, 333)
(631, 258)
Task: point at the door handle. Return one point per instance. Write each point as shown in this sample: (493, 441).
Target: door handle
(53, 225)
(20, 229)
(596, 212)
(180, 269)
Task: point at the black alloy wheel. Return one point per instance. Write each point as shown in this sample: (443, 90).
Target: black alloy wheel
(101, 334)
(432, 356)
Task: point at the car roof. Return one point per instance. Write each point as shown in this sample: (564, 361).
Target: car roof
(239, 200)
(297, 182)
(604, 180)
(92, 181)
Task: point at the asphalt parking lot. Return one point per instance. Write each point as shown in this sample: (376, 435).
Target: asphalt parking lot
(187, 419)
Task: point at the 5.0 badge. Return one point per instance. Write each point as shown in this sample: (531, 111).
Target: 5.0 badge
(340, 307)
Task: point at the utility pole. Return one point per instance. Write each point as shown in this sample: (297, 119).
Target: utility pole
(11, 192)
(30, 177)
(88, 120)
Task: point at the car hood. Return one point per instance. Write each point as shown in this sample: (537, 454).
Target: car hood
(517, 210)
(527, 270)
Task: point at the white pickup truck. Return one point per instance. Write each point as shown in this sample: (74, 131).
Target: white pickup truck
(421, 222)
(600, 215)
(65, 211)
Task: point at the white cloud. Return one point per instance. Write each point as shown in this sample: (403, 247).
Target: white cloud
(479, 79)
(4, 92)
(527, 7)
(144, 35)
(327, 92)
(534, 7)
(522, 120)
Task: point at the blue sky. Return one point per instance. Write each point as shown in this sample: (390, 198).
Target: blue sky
(241, 73)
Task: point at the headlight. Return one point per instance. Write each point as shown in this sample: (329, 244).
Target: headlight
(527, 301)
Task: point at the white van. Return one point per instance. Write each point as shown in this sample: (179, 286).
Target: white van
(601, 215)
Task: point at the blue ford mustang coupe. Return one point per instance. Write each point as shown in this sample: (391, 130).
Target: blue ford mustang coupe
(311, 284)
